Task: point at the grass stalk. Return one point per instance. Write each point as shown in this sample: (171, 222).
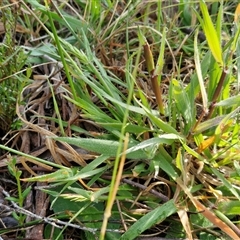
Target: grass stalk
(62, 57)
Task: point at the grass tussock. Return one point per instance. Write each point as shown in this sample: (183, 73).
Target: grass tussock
(125, 119)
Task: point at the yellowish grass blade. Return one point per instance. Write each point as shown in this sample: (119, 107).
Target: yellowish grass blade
(211, 34)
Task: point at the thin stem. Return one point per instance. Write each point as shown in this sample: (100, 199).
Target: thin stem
(217, 93)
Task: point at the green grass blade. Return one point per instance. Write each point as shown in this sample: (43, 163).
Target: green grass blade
(210, 33)
(106, 147)
(61, 54)
(166, 166)
(199, 74)
(144, 223)
(208, 124)
(226, 183)
(157, 121)
(183, 105)
(229, 102)
(229, 207)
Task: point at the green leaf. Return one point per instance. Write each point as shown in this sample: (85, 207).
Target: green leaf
(140, 168)
(105, 147)
(59, 175)
(229, 207)
(12, 199)
(152, 142)
(160, 61)
(93, 164)
(183, 104)
(208, 124)
(186, 14)
(210, 33)
(226, 183)
(91, 215)
(26, 192)
(166, 166)
(193, 87)
(12, 166)
(51, 232)
(166, 127)
(193, 152)
(199, 74)
(225, 121)
(229, 102)
(85, 174)
(156, 216)
(37, 5)
(237, 167)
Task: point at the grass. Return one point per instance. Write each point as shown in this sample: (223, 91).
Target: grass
(140, 120)
(12, 60)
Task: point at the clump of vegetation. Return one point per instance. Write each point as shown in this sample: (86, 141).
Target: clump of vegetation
(140, 120)
(12, 60)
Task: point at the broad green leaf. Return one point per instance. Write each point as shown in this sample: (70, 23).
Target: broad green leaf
(155, 216)
(95, 9)
(130, 107)
(101, 146)
(214, 78)
(141, 37)
(12, 199)
(91, 215)
(230, 207)
(120, 103)
(97, 194)
(69, 21)
(52, 233)
(140, 168)
(166, 127)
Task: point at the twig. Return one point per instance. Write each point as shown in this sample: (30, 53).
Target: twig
(154, 192)
(52, 221)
